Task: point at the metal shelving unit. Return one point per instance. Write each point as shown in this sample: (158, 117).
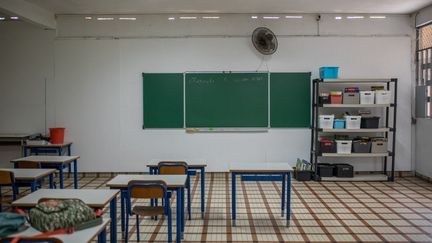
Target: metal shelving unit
(387, 131)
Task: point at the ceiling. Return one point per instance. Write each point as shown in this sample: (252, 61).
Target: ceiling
(230, 6)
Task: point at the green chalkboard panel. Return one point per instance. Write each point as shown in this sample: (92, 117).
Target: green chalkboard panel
(226, 99)
(290, 104)
(163, 100)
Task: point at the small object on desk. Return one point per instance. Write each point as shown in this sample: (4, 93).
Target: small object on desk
(57, 135)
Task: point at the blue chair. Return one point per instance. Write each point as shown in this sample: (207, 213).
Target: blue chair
(177, 168)
(146, 189)
(7, 178)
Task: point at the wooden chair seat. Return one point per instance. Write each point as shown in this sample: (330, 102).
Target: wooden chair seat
(148, 210)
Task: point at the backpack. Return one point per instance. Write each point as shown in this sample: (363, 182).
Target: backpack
(11, 223)
(55, 214)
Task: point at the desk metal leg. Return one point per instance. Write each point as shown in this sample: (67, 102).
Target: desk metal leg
(75, 164)
(122, 211)
(51, 181)
(182, 212)
(33, 185)
(61, 175)
(113, 215)
(289, 199)
(233, 198)
(102, 236)
(178, 216)
(202, 192)
(283, 193)
(189, 198)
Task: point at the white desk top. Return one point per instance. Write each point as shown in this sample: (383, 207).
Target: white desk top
(260, 167)
(95, 198)
(15, 135)
(172, 181)
(30, 174)
(47, 159)
(80, 236)
(47, 145)
(190, 164)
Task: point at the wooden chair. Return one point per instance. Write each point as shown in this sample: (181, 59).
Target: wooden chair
(32, 240)
(146, 189)
(177, 168)
(7, 178)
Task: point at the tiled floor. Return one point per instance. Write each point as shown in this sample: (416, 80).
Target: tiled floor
(322, 212)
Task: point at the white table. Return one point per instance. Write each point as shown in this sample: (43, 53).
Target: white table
(15, 138)
(32, 176)
(81, 236)
(192, 167)
(58, 162)
(95, 198)
(262, 172)
(174, 182)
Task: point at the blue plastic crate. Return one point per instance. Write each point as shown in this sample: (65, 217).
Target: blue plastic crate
(339, 124)
(329, 72)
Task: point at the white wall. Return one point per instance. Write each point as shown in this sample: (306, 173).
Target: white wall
(98, 83)
(26, 61)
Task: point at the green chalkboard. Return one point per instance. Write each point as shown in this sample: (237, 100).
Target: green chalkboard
(290, 103)
(226, 99)
(163, 100)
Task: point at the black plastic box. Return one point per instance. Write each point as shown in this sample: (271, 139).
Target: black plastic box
(303, 175)
(324, 100)
(369, 122)
(325, 170)
(343, 170)
(361, 146)
(327, 146)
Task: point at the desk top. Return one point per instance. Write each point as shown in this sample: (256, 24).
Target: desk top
(30, 174)
(47, 145)
(172, 181)
(47, 159)
(15, 135)
(190, 165)
(260, 167)
(86, 235)
(95, 198)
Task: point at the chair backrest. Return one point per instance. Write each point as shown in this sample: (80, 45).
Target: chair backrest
(32, 240)
(173, 168)
(27, 165)
(7, 178)
(147, 189)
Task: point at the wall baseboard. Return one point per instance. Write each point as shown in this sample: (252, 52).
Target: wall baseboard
(423, 177)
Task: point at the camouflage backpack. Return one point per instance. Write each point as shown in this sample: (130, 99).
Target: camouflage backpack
(54, 214)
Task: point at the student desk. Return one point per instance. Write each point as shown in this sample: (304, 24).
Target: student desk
(48, 148)
(86, 235)
(32, 176)
(58, 162)
(15, 138)
(262, 172)
(174, 182)
(192, 168)
(95, 198)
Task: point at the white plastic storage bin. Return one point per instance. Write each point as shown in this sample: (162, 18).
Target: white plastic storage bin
(344, 146)
(367, 97)
(352, 122)
(382, 97)
(326, 121)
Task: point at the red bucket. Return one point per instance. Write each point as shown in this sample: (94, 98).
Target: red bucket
(57, 135)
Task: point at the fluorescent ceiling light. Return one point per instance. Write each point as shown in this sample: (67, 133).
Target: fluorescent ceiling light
(254, 17)
(171, 18)
(377, 17)
(355, 17)
(127, 18)
(188, 17)
(88, 18)
(14, 18)
(293, 17)
(2, 18)
(338, 17)
(104, 18)
(271, 17)
(211, 17)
